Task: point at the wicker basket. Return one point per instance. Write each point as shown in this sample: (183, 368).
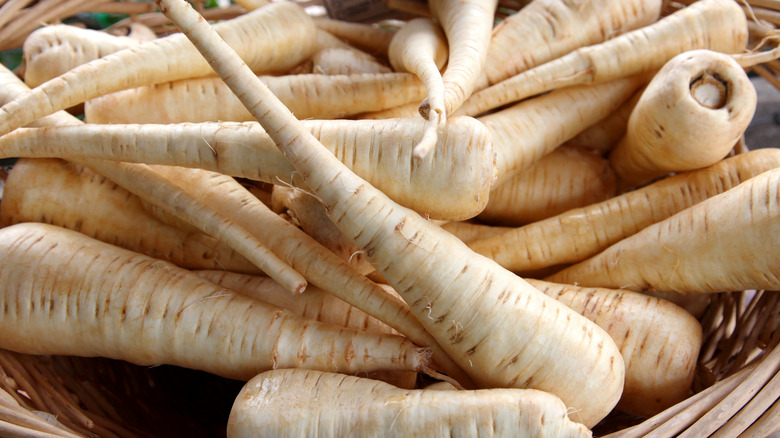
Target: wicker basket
(735, 392)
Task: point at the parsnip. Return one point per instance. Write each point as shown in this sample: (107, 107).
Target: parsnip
(725, 243)
(65, 293)
(690, 116)
(580, 233)
(292, 403)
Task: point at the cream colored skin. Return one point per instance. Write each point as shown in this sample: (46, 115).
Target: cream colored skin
(52, 50)
(580, 233)
(72, 196)
(659, 341)
(65, 293)
(315, 304)
(725, 243)
(718, 25)
(467, 25)
(450, 183)
(499, 329)
(420, 47)
(528, 130)
(289, 34)
(308, 96)
(318, 265)
(690, 116)
(295, 403)
(566, 178)
(546, 29)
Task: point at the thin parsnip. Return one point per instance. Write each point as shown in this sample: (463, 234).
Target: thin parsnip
(497, 327)
(107, 301)
(580, 233)
(547, 29)
(725, 243)
(274, 38)
(145, 183)
(291, 403)
(71, 196)
(659, 341)
(525, 132)
(420, 47)
(690, 116)
(452, 182)
(468, 25)
(315, 304)
(318, 265)
(718, 25)
(309, 96)
(566, 178)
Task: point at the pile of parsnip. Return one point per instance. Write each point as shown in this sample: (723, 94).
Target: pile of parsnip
(532, 213)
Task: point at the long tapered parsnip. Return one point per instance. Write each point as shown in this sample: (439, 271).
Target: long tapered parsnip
(528, 130)
(718, 25)
(318, 265)
(293, 403)
(580, 233)
(65, 293)
(566, 178)
(72, 196)
(270, 39)
(52, 50)
(690, 116)
(452, 182)
(309, 96)
(659, 341)
(315, 304)
(140, 180)
(497, 327)
(467, 24)
(547, 29)
(725, 243)
(420, 47)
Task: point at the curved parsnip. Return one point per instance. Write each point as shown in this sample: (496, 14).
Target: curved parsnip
(308, 96)
(452, 182)
(728, 242)
(690, 116)
(65, 293)
(295, 403)
(547, 29)
(577, 234)
(718, 25)
(270, 39)
(72, 196)
(659, 341)
(420, 47)
(468, 25)
(497, 327)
